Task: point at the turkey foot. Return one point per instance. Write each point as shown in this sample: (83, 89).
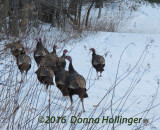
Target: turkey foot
(71, 107)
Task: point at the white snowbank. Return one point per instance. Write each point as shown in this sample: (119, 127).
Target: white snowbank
(145, 20)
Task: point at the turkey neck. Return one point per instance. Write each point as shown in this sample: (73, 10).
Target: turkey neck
(54, 51)
(63, 55)
(39, 45)
(93, 54)
(71, 69)
(58, 69)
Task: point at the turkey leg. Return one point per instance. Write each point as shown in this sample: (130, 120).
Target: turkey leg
(71, 107)
(82, 105)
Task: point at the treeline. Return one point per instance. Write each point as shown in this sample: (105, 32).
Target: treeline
(17, 16)
(153, 1)
(20, 16)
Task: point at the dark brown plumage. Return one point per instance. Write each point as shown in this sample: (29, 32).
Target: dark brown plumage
(40, 52)
(61, 79)
(62, 61)
(23, 63)
(17, 48)
(51, 59)
(98, 62)
(45, 75)
(76, 83)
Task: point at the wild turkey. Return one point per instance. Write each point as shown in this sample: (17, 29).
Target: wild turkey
(23, 63)
(45, 75)
(17, 48)
(62, 61)
(98, 62)
(61, 78)
(76, 83)
(51, 59)
(40, 51)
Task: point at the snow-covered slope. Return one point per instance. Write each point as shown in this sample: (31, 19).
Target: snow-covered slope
(144, 20)
(144, 91)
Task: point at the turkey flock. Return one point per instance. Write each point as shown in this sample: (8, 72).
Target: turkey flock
(50, 65)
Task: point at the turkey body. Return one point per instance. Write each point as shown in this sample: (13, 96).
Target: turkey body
(40, 52)
(24, 63)
(98, 62)
(17, 49)
(50, 61)
(62, 61)
(76, 85)
(61, 80)
(45, 75)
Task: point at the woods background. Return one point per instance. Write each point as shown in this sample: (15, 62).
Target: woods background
(18, 16)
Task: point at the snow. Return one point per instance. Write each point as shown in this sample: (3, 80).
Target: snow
(115, 43)
(133, 95)
(145, 20)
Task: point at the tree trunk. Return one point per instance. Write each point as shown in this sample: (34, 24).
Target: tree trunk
(87, 17)
(99, 4)
(79, 13)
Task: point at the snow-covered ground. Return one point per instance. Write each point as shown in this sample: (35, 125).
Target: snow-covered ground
(143, 93)
(136, 92)
(144, 20)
